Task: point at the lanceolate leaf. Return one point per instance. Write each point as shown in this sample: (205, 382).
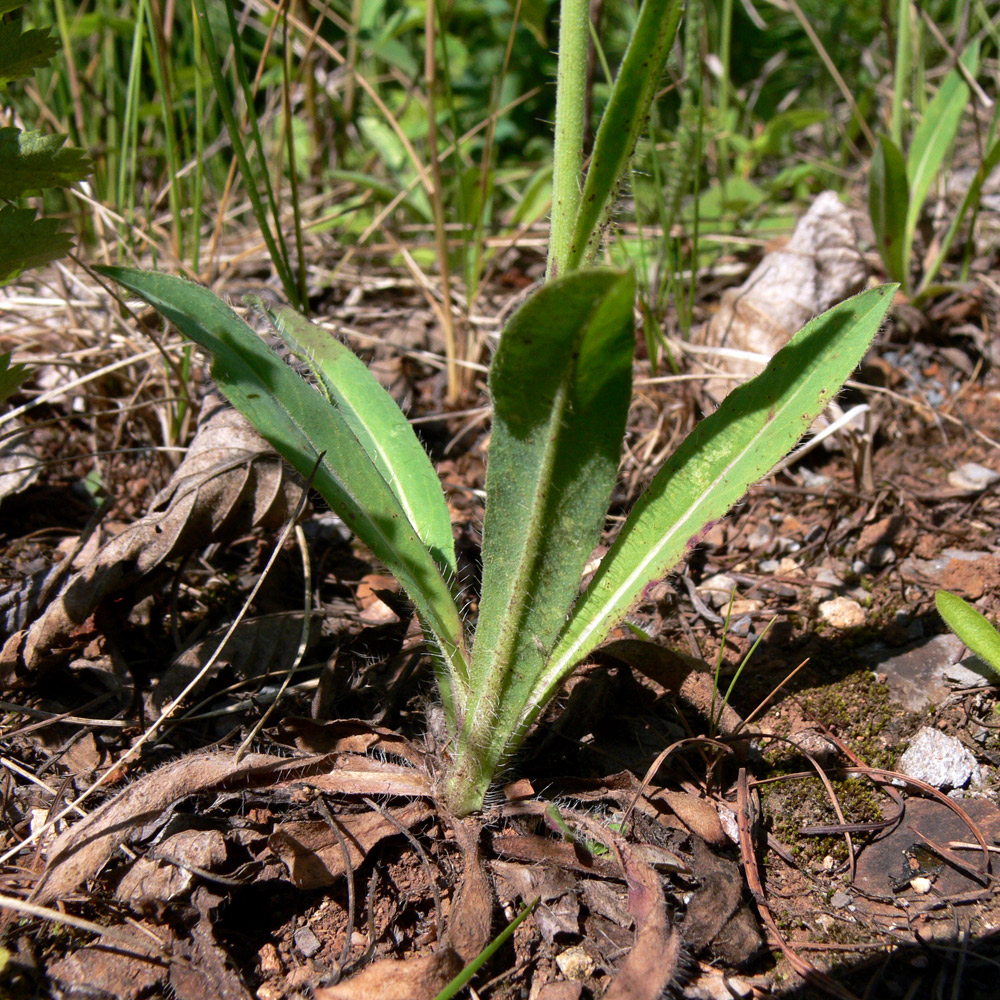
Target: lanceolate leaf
(971, 627)
(624, 118)
(729, 450)
(934, 135)
(378, 424)
(561, 382)
(888, 204)
(307, 429)
(30, 161)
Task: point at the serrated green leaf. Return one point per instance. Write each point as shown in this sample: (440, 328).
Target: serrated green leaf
(28, 242)
(971, 627)
(312, 436)
(757, 424)
(378, 424)
(888, 205)
(561, 383)
(30, 161)
(23, 52)
(11, 376)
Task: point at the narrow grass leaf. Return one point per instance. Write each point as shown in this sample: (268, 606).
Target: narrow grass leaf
(561, 383)
(888, 205)
(971, 627)
(314, 437)
(933, 138)
(378, 424)
(728, 451)
(989, 164)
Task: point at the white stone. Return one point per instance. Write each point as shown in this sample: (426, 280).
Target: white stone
(842, 612)
(939, 760)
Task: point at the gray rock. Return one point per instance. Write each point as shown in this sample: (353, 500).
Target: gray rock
(916, 676)
(306, 941)
(940, 760)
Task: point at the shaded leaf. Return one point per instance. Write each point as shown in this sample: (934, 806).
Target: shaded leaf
(28, 242)
(561, 382)
(311, 434)
(11, 376)
(379, 426)
(31, 161)
(22, 52)
(888, 205)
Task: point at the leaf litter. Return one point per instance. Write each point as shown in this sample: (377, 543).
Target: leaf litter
(234, 855)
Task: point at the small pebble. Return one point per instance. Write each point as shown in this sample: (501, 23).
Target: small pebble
(575, 963)
(972, 477)
(840, 899)
(306, 941)
(842, 613)
(717, 590)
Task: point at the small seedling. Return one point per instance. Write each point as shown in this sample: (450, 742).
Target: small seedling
(560, 384)
(973, 628)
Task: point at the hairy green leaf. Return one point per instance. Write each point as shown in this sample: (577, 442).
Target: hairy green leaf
(378, 424)
(30, 161)
(22, 52)
(560, 382)
(314, 437)
(971, 627)
(728, 451)
(28, 242)
(623, 119)
(888, 205)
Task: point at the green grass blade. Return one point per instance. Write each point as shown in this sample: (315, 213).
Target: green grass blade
(622, 121)
(728, 451)
(971, 627)
(378, 424)
(971, 198)
(561, 382)
(303, 426)
(933, 138)
(888, 205)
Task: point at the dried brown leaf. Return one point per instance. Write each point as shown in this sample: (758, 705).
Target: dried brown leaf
(111, 967)
(652, 962)
(818, 267)
(257, 646)
(79, 852)
(420, 978)
(313, 854)
(229, 482)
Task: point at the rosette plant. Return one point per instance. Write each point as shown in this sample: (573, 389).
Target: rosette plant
(560, 385)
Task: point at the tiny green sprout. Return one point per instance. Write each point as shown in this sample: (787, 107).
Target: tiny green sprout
(971, 627)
